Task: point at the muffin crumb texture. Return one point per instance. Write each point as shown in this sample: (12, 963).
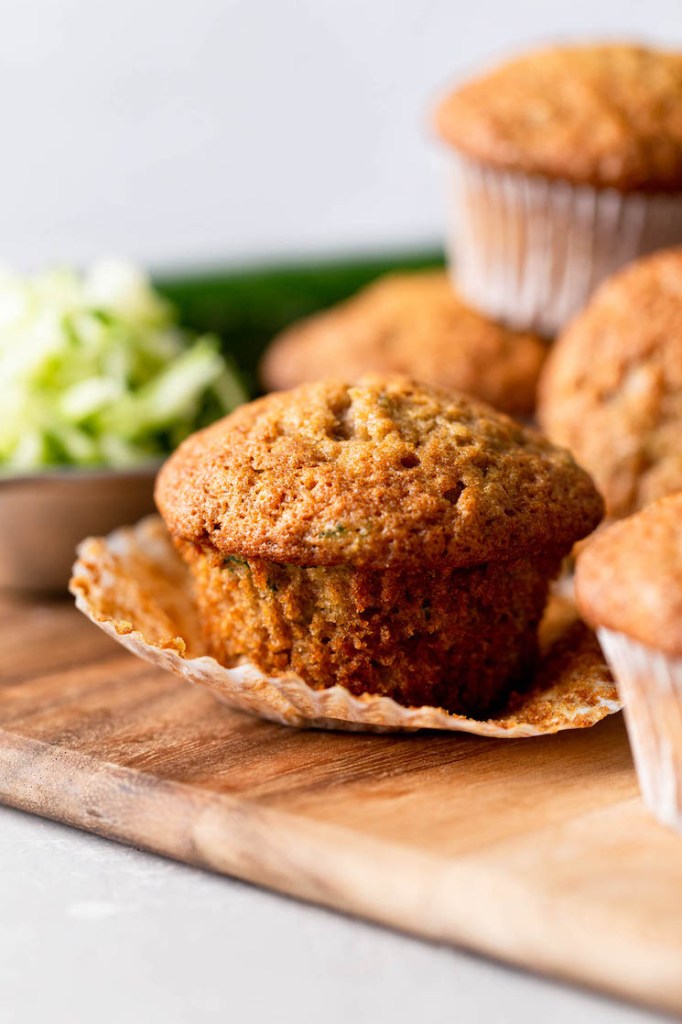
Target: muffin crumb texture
(136, 576)
(380, 473)
(447, 637)
(612, 386)
(606, 115)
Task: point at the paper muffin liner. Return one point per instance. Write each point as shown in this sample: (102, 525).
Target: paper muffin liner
(530, 250)
(650, 686)
(135, 587)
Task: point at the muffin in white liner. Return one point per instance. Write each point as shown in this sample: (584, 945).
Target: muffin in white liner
(530, 251)
(134, 586)
(629, 587)
(650, 686)
(567, 163)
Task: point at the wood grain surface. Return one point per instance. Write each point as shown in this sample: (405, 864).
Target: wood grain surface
(538, 851)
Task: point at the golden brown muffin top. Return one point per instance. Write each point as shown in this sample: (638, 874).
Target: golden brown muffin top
(611, 390)
(378, 473)
(606, 115)
(629, 578)
(412, 324)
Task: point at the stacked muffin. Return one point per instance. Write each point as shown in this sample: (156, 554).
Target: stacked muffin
(566, 165)
(566, 209)
(612, 392)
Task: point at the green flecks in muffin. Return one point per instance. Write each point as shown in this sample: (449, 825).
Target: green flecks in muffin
(339, 530)
(330, 532)
(272, 585)
(234, 562)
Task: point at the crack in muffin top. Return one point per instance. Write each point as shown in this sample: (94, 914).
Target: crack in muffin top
(604, 115)
(379, 473)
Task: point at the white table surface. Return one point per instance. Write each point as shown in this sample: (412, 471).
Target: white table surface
(96, 933)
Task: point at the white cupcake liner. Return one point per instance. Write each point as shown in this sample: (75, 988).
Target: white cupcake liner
(530, 250)
(133, 585)
(650, 686)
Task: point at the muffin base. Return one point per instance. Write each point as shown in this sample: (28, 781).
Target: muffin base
(134, 586)
(458, 639)
(530, 251)
(650, 686)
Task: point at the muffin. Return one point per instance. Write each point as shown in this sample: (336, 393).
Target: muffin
(390, 537)
(413, 324)
(567, 164)
(612, 388)
(629, 587)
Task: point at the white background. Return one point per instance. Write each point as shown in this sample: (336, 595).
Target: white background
(219, 130)
(207, 132)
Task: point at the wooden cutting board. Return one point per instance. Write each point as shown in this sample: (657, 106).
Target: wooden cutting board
(538, 851)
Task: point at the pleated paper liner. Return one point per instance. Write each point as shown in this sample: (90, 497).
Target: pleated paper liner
(133, 585)
(651, 685)
(530, 251)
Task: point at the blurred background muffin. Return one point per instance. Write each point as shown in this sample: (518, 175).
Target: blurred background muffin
(629, 588)
(385, 536)
(567, 163)
(611, 390)
(414, 324)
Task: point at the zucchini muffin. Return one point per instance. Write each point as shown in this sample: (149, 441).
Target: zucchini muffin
(418, 325)
(629, 588)
(611, 390)
(567, 164)
(386, 536)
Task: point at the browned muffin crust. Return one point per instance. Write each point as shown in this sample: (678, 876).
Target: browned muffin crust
(611, 390)
(385, 472)
(449, 637)
(413, 324)
(604, 115)
(629, 578)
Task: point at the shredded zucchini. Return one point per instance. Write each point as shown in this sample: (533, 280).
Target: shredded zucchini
(95, 371)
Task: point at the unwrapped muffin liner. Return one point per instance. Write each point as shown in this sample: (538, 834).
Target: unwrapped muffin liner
(650, 686)
(530, 251)
(134, 586)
